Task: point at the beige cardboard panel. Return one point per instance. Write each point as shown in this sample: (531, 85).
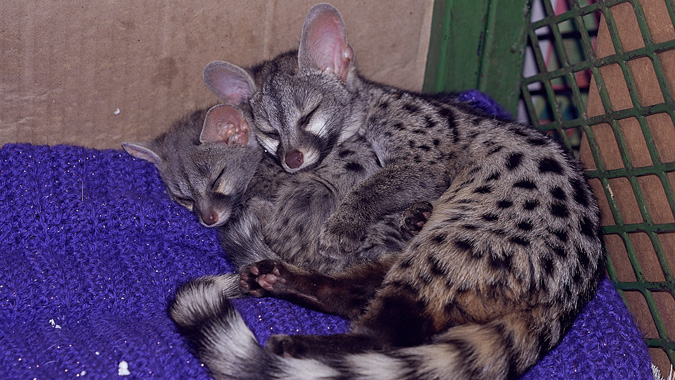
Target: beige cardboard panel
(97, 74)
(658, 20)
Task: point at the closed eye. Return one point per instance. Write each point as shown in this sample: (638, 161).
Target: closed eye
(274, 135)
(186, 202)
(307, 117)
(215, 182)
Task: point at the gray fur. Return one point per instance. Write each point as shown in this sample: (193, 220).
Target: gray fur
(492, 282)
(264, 212)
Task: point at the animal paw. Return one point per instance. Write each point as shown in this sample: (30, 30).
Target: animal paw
(262, 278)
(415, 217)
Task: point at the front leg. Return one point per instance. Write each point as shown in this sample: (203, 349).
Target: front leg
(391, 190)
(345, 294)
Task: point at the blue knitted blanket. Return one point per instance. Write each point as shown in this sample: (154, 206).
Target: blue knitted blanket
(92, 250)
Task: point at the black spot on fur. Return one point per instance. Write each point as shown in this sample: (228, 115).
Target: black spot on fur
(559, 210)
(584, 259)
(576, 276)
(354, 167)
(454, 218)
(447, 114)
(525, 184)
(411, 143)
(587, 227)
(520, 241)
(483, 189)
(518, 131)
(558, 193)
(435, 265)
(467, 182)
(407, 263)
(439, 238)
(495, 150)
(428, 122)
(494, 176)
(504, 204)
(411, 108)
(500, 263)
(419, 132)
(474, 170)
(557, 249)
(425, 148)
(514, 160)
(436, 142)
(345, 153)
(490, 217)
(531, 205)
(580, 194)
(537, 141)
(470, 227)
(548, 264)
(399, 126)
(464, 245)
(425, 277)
(525, 226)
(384, 105)
(560, 234)
(550, 165)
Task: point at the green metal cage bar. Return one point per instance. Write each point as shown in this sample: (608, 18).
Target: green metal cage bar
(482, 45)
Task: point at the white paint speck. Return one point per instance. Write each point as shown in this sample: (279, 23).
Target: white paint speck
(54, 325)
(117, 111)
(123, 369)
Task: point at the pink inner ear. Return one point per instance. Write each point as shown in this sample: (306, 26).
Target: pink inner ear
(229, 82)
(225, 124)
(324, 41)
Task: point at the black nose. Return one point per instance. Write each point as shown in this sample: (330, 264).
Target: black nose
(294, 159)
(210, 218)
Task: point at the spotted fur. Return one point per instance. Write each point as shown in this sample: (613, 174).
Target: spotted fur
(492, 282)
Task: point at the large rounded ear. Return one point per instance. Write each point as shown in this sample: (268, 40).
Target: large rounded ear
(229, 82)
(143, 151)
(323, 43)
(225, 124)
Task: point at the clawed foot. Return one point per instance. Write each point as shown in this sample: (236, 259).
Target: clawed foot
(415, 217)
(262, 278)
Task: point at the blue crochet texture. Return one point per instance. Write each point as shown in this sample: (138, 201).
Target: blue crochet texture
(92, 250)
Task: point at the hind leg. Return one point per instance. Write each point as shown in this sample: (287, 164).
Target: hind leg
(394, 319)
(345, 294)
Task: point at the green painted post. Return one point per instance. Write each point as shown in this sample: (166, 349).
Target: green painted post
(478, 45)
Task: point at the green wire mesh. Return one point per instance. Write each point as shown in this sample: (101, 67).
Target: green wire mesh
(556, 99)
(570, 91)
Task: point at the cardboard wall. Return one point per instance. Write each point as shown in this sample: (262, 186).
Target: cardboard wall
(99, 73)
(663, 131)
